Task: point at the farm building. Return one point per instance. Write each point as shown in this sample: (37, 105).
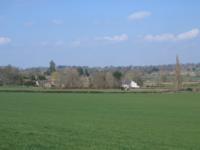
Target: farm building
(129, 85)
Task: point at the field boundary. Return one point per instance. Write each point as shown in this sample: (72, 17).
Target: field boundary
(86, 91)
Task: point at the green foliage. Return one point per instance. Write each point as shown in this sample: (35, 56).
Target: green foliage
(117, 75)
(80, 71)
(138, 80)
(152, 69)
(52, 67)
(41, 77)
(83, 71)
(99, 121)
(87, 73)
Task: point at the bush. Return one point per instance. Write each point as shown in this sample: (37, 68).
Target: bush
(189, 89)
(29, 83)
(1, 83)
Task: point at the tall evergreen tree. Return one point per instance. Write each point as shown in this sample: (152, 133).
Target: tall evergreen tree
(52, 67)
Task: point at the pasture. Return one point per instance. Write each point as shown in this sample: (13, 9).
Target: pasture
(106, 121)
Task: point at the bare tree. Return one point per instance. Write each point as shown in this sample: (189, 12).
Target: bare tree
(56, 79)
(66, 78)
(162, 76)
(98, 80)
(85, 82)
(110, 80)
(10, 75)
(178, 74)
(72, 79)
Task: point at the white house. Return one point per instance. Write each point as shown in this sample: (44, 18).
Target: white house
(130, 85)
(134, 85)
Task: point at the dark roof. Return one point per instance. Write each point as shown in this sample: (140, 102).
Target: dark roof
(126, 82)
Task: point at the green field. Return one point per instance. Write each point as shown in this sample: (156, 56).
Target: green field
(45, 121)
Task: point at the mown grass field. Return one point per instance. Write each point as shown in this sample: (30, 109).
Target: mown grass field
(45, 121)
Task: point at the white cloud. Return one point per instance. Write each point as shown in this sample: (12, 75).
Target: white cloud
(139, 15)
(161, 37)
(116, 38)
(57, 22)
(173, 37)
(188, 35)
(96, 41)
(4, 40)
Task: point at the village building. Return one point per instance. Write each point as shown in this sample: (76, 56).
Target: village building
(126, 85)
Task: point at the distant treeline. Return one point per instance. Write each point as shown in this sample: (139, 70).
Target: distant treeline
(69, 77)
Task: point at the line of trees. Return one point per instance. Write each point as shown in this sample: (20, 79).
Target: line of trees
(82, 78)
(85, 77)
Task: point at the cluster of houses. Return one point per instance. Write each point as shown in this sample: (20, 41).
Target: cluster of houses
(48, 83)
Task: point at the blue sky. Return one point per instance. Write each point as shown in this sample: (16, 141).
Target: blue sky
(99, 33)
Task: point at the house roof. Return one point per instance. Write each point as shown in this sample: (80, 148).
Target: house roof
(127, 81)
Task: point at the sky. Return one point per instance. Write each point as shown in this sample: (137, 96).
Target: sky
(99, 33)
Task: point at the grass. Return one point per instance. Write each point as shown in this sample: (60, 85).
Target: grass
(51, 90)
(44, 121)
